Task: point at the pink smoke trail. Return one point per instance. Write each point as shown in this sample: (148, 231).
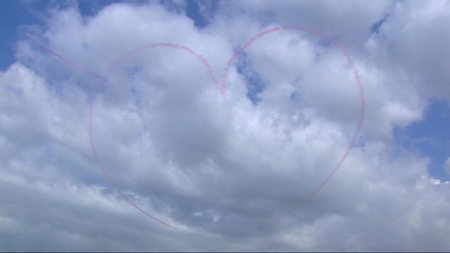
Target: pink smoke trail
(223, 86)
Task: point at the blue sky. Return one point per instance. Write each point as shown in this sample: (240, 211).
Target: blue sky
(430, 137)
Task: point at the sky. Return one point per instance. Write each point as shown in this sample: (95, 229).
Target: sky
(163, 126)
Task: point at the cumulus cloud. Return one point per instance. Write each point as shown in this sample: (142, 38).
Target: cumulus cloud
(216, 167)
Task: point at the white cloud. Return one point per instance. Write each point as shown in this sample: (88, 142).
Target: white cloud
(215, 168)
(413, 39)
(447, 166)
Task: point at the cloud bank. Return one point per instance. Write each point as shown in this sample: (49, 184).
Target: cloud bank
(219, 168)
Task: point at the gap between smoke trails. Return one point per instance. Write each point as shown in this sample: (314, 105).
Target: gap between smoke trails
(223, 87)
